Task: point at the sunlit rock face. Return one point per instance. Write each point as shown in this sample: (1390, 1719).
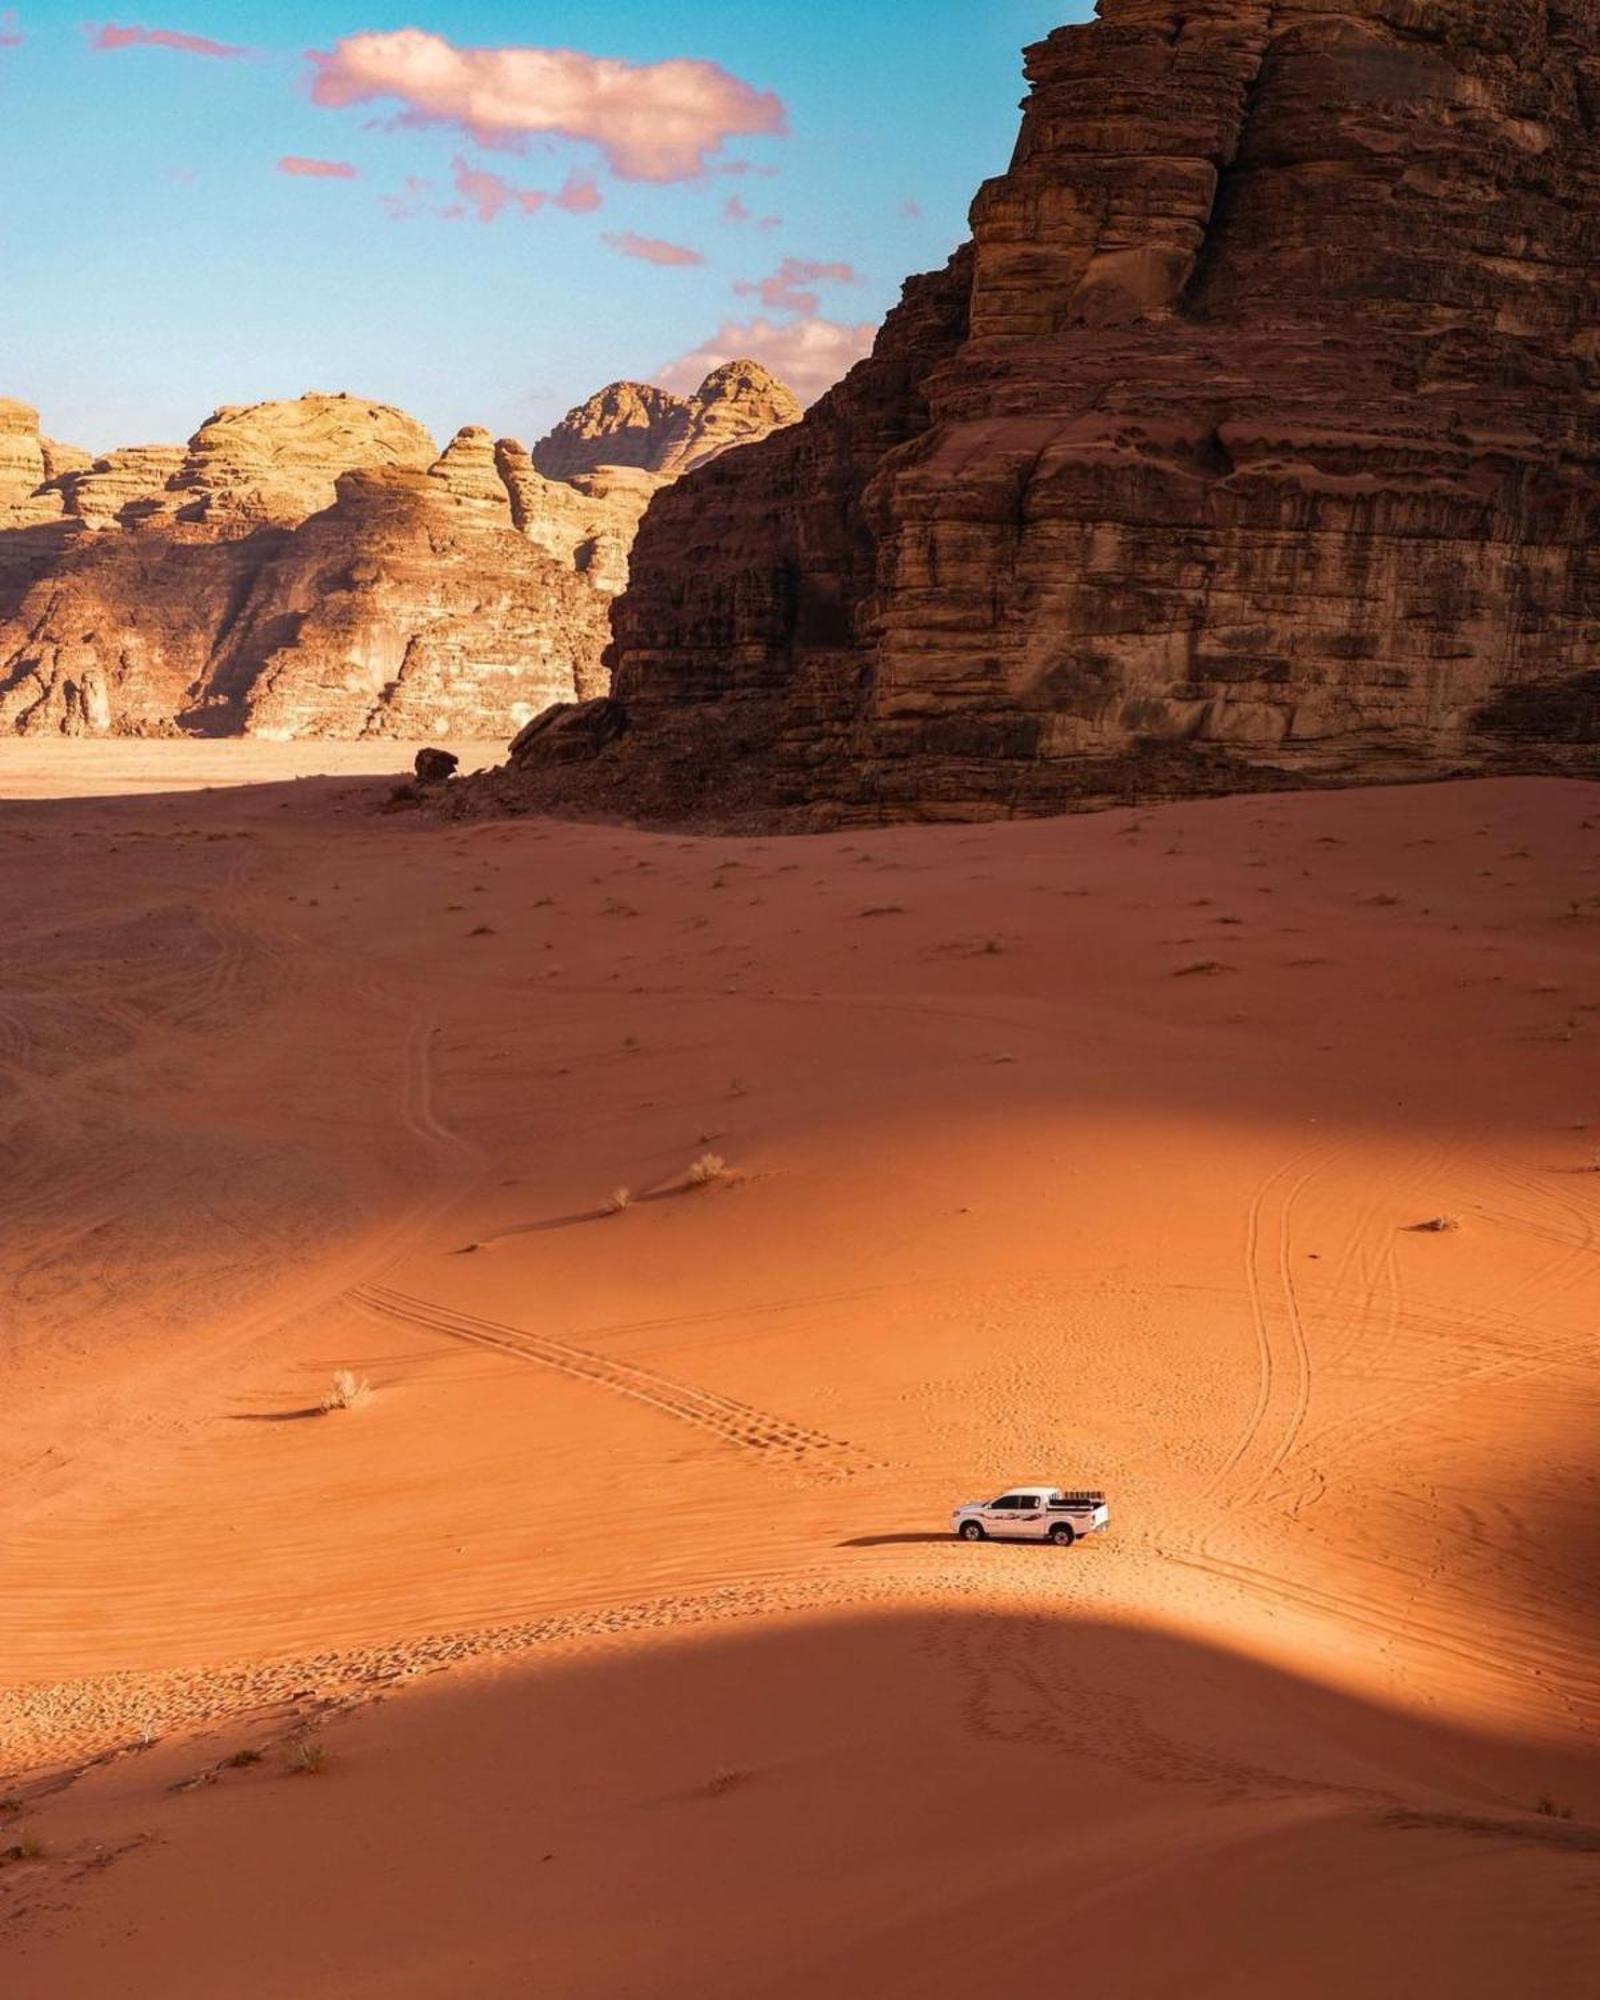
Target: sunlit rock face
(1253, 437)
(637, 424)
(318, 567)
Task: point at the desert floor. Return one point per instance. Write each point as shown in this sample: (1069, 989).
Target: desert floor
(616, 1645)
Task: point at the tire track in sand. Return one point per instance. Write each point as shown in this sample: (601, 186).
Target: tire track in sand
(735, 1423)
(1283, 1385)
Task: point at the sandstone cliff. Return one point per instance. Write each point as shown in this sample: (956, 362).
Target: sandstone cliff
(315, 567)
(1254, 437)
(636, 424)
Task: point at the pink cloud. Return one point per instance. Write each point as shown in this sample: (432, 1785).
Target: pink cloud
(652, 250)
(409, 203)
(112, 37)
(652, 121)
(809, 354)
(580, 196)
(486, 194)
(316, 170)
(787, 288)
(734, 210)
(11, 35)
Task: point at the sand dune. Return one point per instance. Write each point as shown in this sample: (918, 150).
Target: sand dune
(1095, 1149)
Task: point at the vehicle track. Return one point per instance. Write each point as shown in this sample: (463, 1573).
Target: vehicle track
(1476, 1326)
(1565, 1671)
(1283, 1352)
(735, 1423)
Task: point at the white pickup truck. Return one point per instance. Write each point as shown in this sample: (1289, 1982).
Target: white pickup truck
(1033, 1514)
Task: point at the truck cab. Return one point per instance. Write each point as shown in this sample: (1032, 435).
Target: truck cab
(1033, 1514)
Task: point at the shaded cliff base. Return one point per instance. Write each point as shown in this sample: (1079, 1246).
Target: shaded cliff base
(588, 761)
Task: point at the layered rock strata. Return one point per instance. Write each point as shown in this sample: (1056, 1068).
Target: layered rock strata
(315, 567)
(1255, 436)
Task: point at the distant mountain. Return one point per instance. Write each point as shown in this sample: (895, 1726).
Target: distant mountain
(317, 567)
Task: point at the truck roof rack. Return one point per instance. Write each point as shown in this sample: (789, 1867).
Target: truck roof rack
(1079, 1499)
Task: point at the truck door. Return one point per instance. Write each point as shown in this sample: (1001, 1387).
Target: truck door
(1000, 1516)
(1030, 1519)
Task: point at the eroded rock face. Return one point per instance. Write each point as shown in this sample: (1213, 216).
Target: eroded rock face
(636, 424)
(398, 613)
(1256, 434)
(314, 567)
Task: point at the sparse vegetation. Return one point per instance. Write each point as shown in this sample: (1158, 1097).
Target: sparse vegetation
(1547, 1808)
(241, 1760)
(725, 1780)
(1201, 968)
(23, 1850)
(1436, 1225)
(621, 1198)
(481, 930)
(305, 1759)
(708, 1168)
(11, 1803)
(347, 1391)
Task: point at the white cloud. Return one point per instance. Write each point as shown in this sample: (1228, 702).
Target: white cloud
(809, 355)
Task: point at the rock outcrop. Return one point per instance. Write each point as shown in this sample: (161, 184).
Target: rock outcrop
(636, 424)
(315, 567)
(1255, 437)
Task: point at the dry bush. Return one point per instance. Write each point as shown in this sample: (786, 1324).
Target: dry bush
(708, 1168)
(1202, 968)
(1547, 1808)
(23, 1850)
(305, 1759)
(725, 1780)
(347, 1391)
(1436, 1225)
(621, 1198)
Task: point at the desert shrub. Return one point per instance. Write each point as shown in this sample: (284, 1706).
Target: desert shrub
(346, 1391)
(708, 1168)
(305, 1759)
(621, 1198)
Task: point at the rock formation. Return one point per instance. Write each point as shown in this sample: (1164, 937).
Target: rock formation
(318, 567)
(637, 424)
(1254, 437)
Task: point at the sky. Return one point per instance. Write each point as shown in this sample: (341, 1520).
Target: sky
(479, 210)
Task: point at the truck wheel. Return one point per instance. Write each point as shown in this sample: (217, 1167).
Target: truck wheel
(1061, 1533)
(972, 1531)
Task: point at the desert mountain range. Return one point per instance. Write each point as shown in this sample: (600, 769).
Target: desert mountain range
(319, 568)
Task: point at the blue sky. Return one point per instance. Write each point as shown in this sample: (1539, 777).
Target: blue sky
(155, 261)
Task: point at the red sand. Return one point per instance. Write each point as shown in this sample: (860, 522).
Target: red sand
(1013, 1193)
